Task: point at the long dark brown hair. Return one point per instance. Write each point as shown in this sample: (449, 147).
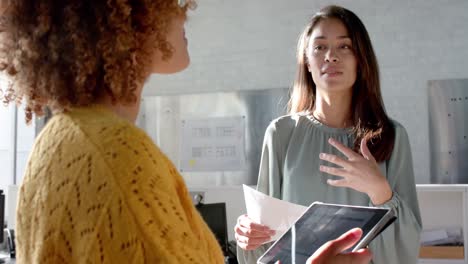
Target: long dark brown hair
(369, 117)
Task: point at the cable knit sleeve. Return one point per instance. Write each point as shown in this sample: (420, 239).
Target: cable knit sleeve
(157, 198)
(97, 190)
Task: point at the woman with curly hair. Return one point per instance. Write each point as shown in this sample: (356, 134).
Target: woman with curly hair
(96, 188)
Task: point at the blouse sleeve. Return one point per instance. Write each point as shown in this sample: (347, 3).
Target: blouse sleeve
(399, 243)
(269, 182)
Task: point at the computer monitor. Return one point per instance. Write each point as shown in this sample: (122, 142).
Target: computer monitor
(215, 216)
(2, 214)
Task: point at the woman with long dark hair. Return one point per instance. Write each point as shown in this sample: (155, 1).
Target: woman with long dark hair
(338, 145)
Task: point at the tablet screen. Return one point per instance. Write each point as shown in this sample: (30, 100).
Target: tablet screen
(319, 224)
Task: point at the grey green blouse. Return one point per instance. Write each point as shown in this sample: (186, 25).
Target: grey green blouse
(289, 170)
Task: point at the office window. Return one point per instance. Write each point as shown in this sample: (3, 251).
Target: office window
(6, 151)
(12, 123)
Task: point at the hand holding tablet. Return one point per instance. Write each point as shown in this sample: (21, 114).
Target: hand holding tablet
(322, 223)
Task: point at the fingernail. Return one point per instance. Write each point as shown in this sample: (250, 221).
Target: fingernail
(322, 155)
(356, 233)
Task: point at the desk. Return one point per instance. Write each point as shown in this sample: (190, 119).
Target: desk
(444, 205)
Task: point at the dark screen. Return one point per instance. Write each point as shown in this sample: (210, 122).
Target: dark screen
(215, 216)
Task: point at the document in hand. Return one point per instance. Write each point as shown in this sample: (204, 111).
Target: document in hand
(277, 214)
(322, 222)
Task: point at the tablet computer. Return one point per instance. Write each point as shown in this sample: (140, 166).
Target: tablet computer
(322, 222)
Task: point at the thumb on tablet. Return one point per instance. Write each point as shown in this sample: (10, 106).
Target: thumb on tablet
(330, 252)
(346, 240)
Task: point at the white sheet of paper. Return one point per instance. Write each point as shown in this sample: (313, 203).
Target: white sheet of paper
(277, 214)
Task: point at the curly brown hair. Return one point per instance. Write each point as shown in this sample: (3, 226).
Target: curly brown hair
(60, 54)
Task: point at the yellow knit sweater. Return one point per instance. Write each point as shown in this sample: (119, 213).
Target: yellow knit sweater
(97, 190)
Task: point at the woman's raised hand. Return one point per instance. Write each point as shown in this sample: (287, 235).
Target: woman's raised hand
(359, 172)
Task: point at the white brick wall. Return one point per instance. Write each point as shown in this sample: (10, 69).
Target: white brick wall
(247, 44)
